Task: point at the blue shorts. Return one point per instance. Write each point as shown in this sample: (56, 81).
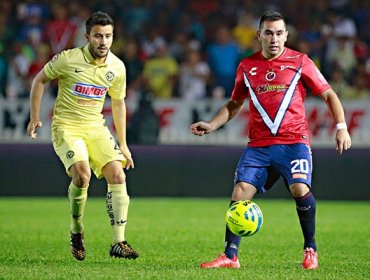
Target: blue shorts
(262, 167)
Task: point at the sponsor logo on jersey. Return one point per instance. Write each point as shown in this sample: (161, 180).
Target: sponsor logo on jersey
(293, 56)
(89, 91)
(253, 71)
(283, 67)
(265, 88)
(299, 176)
(87, 102)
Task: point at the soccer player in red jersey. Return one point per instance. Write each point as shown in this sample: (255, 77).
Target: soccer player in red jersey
(274, 81)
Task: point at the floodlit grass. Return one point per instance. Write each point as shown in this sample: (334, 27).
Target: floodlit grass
(174, 235)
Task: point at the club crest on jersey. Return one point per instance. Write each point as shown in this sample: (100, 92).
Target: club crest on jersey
(89, 91)
(270, 75)
(70, 154)
(109, 76)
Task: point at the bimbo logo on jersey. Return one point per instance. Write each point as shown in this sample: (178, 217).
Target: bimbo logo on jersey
(89, 91)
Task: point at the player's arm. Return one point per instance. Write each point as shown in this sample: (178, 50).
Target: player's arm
(37, 92)
(343, 139)
(227, 113)
(119, 119)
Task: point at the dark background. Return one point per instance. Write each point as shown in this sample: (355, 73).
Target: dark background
(179, 171)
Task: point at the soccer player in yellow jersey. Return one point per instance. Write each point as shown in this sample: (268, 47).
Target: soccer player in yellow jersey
(80, 138)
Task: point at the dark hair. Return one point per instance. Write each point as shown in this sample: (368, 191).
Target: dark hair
(271, 16)
(98, 18)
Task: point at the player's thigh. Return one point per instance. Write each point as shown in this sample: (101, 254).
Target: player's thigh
(103, 149)
(252, 168)
(294, 163)
(70, 146)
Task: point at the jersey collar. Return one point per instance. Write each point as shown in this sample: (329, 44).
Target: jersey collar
(90, 59)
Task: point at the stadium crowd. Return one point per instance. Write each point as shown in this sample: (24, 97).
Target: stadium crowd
(185, 49)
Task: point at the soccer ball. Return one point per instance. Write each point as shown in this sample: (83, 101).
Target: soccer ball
(244, 218)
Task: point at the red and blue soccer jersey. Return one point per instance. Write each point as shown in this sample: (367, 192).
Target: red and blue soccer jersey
(276, 92)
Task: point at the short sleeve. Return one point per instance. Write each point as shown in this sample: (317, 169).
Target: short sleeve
(240, 91)
(118, 89)
(312, 77)
(55, 67)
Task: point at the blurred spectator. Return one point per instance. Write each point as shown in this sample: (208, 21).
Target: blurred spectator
(143, 126)
(136, 15)
(43, 55)
(179, 46)
(60, 31)
(188, 24)
(6, 34)
(343, 26)
(360, 13)
(31, 8)
(80, 14)
(203, 9)
(32, 30)
(194, 76)
(363, 69)
(360, 49)
(339, 83)
(245, 31)
(119, 39)
(17, 79)
(359, 90)
(334, 34)
(3, 71)
(160, 72)
(223, 57)
(134, 66)
(153, 39)
(342, 55)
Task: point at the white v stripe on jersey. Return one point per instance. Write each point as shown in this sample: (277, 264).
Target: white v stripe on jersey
(274, 125)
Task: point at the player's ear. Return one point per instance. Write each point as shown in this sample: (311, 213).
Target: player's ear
(259, 35)
(87, 37)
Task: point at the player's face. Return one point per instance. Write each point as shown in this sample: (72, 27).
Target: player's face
(100, 40)
(272, 36)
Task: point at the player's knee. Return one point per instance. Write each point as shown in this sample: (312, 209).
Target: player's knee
(243, 191)
(116, 177)
(81, 180)
(81, 174)
(299, 189)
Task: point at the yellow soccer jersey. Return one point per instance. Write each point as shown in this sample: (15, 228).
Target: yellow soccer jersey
(158, 71)
(83, 85)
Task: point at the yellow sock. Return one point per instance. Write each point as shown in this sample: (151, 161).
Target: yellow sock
(77, 200)
(117, 202)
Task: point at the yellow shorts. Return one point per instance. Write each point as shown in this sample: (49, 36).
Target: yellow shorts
(94, 144)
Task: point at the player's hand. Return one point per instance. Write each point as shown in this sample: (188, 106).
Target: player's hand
(127, 154)
(31, 128)
(201, 128)
(343, 140)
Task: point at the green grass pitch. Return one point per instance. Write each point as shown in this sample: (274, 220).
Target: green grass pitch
(174, 235)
